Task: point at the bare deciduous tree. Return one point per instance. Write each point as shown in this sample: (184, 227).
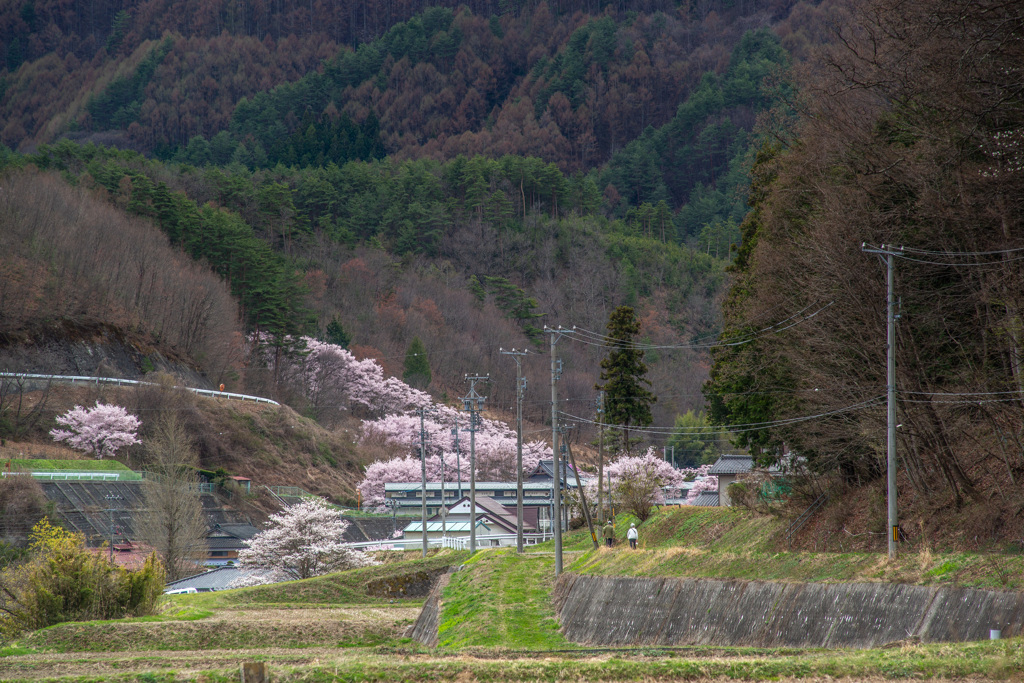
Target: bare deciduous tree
(173, 522)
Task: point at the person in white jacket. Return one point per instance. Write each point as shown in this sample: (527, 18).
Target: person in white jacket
(632, 535)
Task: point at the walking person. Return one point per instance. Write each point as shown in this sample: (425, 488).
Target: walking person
(609, 533)
(632, 535)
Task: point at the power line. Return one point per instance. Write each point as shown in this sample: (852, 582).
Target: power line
(961, 265)
(596, 339)
(740, 428)
(930, 252)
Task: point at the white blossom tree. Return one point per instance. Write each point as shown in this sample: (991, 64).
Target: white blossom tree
(101, 430)
(638, 482)
(302, 541)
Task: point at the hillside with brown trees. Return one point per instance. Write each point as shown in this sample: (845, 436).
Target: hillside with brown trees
(570, 83)
(909, 136)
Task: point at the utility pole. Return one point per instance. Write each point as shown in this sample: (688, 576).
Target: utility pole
(458, 458)
(443, 508)
(520, 389)
(600, 458)
(423, 467)
(556, 371)
(474, 403)
(583, 496)
(890, 253)
(111, 497)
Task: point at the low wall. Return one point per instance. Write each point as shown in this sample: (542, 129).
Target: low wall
(597, 610)
(425, 630)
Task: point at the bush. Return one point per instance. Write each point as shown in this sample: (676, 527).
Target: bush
(64, 581)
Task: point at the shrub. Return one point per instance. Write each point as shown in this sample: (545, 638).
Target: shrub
(64, 581)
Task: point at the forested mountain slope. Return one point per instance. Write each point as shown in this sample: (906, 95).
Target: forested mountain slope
(909, 136)
(458, 175)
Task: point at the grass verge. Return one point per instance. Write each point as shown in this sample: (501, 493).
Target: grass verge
(999, 660)
(729, 543)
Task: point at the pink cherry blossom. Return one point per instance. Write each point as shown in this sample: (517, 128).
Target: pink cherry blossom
(303, 540)
(101, 430)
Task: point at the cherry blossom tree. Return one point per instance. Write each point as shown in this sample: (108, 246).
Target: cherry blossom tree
(701, 484)
(101, 430)
(301, 541)
(495, 450)
(638, 482)
(329, 377)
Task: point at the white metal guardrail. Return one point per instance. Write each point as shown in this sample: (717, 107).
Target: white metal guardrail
(77, 379)
(62, 475)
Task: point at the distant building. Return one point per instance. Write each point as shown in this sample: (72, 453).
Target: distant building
(224, 541)
(404, 498)
(728, 469)
(214, 580)
(492, 519)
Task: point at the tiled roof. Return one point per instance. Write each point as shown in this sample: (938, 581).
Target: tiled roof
(707, 499)
(732, 464)
(213, 580)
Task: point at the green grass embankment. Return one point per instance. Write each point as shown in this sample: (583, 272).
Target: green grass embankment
(501, 600)
(375, 585)
(42, 465)
(730, 543)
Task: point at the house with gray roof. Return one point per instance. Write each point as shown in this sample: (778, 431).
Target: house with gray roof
(728, 469)
(214, 580)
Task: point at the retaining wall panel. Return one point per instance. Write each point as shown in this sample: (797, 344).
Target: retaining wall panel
(627, 611)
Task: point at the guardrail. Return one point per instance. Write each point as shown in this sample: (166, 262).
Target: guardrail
(62, 475)
(289, 491)
(78, 379)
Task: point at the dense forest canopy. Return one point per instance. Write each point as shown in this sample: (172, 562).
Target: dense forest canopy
(470, 171)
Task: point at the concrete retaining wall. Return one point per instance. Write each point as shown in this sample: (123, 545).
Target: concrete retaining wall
(629, 611)
(425, 629)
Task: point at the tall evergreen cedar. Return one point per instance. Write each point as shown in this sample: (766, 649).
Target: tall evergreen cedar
(336, 334)
(416, 371)
(627, 402)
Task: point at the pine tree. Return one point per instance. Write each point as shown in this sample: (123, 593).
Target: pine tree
(336, 334)
(628, 403)
(417, 367)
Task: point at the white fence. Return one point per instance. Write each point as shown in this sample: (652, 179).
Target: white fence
(455, 542)
(76, 379)
(60, 475)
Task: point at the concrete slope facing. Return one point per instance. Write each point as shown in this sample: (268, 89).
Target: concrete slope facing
(609, 611)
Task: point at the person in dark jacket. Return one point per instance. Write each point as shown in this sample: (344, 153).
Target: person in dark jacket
(609, 533)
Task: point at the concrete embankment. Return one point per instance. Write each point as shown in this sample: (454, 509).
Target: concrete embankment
(425, 630)
(609, 611)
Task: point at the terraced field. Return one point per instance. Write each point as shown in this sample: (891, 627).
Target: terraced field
(496, 624)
